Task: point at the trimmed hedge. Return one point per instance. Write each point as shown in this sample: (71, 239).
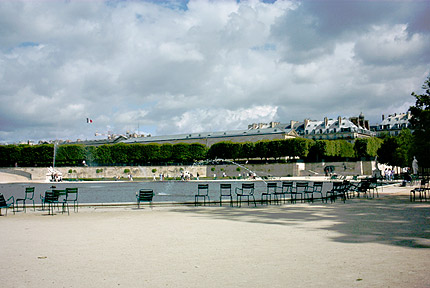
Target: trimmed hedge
(153, 154)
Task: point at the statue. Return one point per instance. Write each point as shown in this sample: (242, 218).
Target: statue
(376, 173)
(415, 166)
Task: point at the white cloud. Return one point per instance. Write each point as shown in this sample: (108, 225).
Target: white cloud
(209, 65)
(392, 45)
(217, 119)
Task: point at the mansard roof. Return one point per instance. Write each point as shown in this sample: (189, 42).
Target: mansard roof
(399, 119)
(219, 134)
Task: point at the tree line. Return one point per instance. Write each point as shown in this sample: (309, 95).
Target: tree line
(183, 153)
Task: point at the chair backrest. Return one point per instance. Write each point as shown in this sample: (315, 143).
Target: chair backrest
(317, 186)
(301, 186)
(271, 186)
(202, 189)
(50, 197)
(2, 201)
(346, 185)
(145, 195)
(59, 192)
(225, 189)
(248, 187)
(70, 192)
(287, 186)
(29, 193)
(364, 186)
(337, 186)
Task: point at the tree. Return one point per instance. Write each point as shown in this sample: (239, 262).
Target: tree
(420, 122)
(247, 150)
(70, 155)
(367, 147)
(396, 151)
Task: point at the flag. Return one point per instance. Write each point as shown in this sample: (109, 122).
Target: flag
(89, 120)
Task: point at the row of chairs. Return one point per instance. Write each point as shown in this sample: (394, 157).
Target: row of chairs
(287, 191)
(301, 191)
(225, 191)
(421, 191)
(11, 202)
(50, 199)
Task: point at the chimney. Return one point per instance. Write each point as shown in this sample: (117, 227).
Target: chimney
(306, 122)
(292, 123)
(325, 122)
(383, 117)
(339, 121)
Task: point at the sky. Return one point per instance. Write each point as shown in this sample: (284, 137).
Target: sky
(171, 67)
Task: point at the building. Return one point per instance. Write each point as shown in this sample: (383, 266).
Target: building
(210, 138)
(393, 124)
(330, 129)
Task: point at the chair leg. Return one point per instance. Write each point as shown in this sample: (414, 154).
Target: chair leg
(67, 205)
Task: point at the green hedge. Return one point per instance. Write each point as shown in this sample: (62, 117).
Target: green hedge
(153, 154)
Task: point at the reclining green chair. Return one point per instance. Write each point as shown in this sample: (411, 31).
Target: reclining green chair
(4, 203)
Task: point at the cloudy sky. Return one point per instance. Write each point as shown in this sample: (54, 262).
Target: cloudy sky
(169, 67)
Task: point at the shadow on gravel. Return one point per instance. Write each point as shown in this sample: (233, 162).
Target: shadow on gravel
(389, 220)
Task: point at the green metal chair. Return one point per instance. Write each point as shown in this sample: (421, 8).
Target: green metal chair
(144, 195)
(51, 200)
(421, 191)
(308, 191)
(317, 188)
(202, 192)
(4, 203)
(299, 189)
(225, 191)
(286, 188)
(246, 191)
(361, 187)
(374, 186)
(29, 195)
(271, 190)
(338, 190)
(71, 196)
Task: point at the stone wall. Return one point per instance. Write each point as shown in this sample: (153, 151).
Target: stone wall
(232, 170)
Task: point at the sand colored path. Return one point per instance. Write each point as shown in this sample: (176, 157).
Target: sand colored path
(11, 178)
(364, 243)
